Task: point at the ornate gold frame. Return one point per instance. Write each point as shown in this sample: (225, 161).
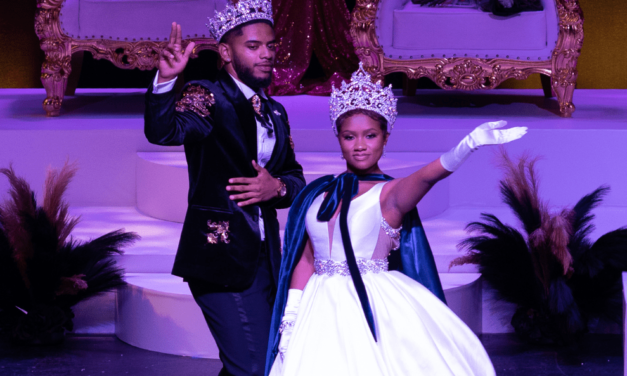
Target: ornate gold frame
(58, 48)
(475, 73)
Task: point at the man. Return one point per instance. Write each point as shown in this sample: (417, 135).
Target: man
(242, 168)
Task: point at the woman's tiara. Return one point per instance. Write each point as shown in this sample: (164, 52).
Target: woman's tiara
(362, 93)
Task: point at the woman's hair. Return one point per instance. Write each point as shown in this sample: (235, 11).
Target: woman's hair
(383, 123)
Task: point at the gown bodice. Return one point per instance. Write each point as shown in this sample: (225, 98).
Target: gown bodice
(364, 221)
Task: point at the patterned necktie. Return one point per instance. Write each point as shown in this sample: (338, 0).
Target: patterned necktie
(261, 113)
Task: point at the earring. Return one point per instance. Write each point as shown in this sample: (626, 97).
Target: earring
(383, 156)
(341, 156)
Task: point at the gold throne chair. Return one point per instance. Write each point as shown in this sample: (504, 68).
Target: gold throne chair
(129, 33)
(468, 49)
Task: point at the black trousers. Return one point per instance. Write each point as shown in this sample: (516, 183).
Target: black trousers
(239, 320)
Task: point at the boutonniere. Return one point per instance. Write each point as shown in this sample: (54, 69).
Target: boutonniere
(277, 113)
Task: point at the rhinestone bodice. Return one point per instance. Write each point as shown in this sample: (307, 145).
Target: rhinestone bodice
(364, 226)
(331, 268)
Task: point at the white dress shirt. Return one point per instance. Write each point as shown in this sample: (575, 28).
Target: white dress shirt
(265, 141)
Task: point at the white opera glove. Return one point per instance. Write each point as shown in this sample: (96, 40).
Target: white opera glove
(288, 320)
(485, 134)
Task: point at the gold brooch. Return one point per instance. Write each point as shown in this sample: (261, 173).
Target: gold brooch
(198, 99)
(219, 231)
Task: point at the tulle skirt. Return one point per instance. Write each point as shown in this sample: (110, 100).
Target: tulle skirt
(417, 334)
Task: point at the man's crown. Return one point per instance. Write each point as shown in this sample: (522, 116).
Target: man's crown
(237, 14)
(362, 93)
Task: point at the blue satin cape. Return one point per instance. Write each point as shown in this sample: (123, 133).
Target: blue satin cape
(414, 258)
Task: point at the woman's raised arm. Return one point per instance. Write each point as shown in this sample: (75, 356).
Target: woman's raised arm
(402, 195)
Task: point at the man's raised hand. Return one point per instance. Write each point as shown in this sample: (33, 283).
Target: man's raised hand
(173, 58)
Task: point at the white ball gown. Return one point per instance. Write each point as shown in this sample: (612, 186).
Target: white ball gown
(417, 333)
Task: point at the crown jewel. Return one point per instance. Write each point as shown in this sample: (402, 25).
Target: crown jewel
(362, 93)
(237, 14)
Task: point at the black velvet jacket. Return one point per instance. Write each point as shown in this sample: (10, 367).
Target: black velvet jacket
(220, 142)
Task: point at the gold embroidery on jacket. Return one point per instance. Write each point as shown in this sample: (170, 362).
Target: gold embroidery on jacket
(196, 98)
(219, 231)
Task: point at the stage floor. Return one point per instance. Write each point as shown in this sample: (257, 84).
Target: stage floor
(106, 355)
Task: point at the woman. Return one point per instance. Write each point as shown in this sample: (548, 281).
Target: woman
(341, 312)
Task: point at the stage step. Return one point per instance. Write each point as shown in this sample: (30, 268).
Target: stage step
(162, 181)
(154, 252)
(157, 312)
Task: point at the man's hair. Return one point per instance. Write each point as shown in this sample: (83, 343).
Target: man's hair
(383, 123)
(237, 30)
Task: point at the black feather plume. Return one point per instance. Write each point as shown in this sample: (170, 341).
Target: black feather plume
(597, 281)
(505, 261)
(13, 291)
(94, 260)
(582, 219)
(558, 279)
(43, 272)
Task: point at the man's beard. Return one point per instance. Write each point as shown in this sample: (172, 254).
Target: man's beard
(246, 75)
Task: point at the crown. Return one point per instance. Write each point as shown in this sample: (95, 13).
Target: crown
(237, 14)
(362, 93)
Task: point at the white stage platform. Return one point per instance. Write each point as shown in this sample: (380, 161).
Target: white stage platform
(162, 182)
(125, 182)
(155, 252)
(163, 301)
(103, 131)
